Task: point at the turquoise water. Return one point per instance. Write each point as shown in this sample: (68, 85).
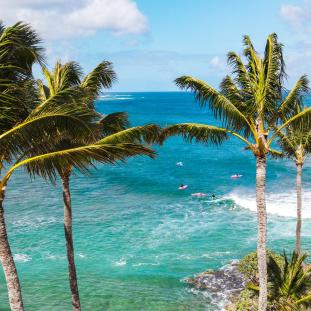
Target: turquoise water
(136, 236)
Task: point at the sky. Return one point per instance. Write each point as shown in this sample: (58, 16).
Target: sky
(152, 42)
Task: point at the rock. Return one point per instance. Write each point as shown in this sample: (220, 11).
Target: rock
(223, 285)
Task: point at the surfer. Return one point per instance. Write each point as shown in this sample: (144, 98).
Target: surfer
(236, 176)
(233, 207)
(182, 187)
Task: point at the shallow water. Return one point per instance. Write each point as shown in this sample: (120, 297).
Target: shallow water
(136, 235)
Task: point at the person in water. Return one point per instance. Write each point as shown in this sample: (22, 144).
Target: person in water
(213, 196)
(233, 207)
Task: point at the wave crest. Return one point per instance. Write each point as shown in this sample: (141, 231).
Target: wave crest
(281, 204)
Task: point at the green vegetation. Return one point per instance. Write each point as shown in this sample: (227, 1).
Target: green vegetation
(248, 265)
(289, 283)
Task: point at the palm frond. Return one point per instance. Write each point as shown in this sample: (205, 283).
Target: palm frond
(231, 91)
(16, 102)
(81, 158)
(274, 73)
(222, 107)
(53, 117)
(20, 46)
(276, 154)
(294, 121)
(114, 122)
(306, 299)
(102, 76)
(2, 27)
(44, 91)
(288, 144)
(140, 134)
(254, 62)
(62, 77)
(292, 102)
(241, 74)
(198, 132)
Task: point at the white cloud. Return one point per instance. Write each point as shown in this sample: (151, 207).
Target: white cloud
(299, 17)
(217, 62)
(58, 19)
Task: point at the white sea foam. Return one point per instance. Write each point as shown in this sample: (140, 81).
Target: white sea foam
(120, 263)
(281, 204)
(22, 257)
(54, 257)
(116, 97)
(28, 223)
(145, 264)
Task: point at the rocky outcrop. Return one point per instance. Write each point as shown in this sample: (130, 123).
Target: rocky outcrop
(222, 286)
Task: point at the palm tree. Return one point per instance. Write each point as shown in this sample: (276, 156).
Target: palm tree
(295, 142)
(19, 50)
(69, 76)
(289, 282)
(250, 105)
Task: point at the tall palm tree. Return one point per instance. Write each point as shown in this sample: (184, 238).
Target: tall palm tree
(64, 77)
(69, 76)
(19, 49)
(295, 142)
(250, 105)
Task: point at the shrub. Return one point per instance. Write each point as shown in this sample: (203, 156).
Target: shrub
(249, 268)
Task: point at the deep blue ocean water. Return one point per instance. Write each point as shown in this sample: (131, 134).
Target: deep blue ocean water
(136, 235)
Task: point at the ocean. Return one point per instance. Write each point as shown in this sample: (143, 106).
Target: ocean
(137, 237)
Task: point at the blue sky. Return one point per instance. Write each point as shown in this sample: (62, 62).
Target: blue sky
(151, 42)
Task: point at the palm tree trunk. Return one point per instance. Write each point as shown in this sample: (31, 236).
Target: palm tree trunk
(262, 230)
(299, 207)
(69, 243)
(9, 268)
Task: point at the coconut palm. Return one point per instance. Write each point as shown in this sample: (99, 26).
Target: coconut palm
(69, 76)
(295, 142)
(250, 105)
(289, 282)
(19, 50)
